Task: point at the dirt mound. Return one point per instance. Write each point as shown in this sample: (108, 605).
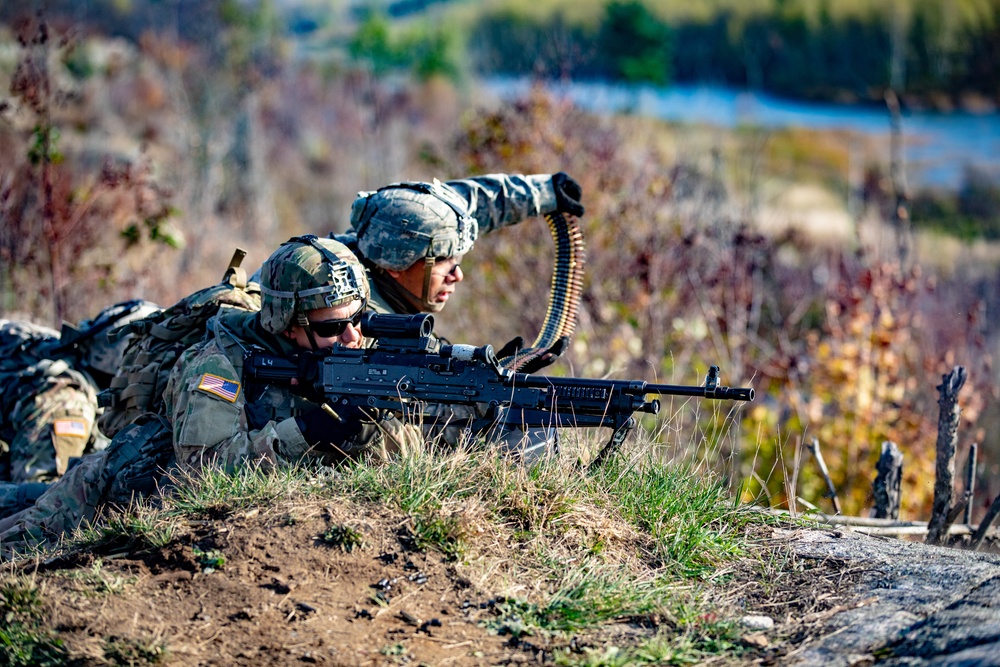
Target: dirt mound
(276, 588)
(451, 560)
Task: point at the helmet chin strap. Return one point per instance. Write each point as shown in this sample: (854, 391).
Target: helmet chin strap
(425, 298)
(303, 321)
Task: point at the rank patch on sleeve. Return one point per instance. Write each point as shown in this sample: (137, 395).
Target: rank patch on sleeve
(76, 428)
(221, 387)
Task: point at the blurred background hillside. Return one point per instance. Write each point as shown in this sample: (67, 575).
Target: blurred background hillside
(742, 206)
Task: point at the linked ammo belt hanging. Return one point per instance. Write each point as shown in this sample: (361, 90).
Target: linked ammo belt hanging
(565, 291)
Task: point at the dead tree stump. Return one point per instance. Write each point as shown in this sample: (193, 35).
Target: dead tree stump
(970, 481)
(984, 525)
(947, 440)
(888, 481)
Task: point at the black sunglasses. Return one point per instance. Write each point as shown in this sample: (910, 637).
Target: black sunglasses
(333, 328)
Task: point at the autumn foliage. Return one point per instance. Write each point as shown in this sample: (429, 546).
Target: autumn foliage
(842, 341)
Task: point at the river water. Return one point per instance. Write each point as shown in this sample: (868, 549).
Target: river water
(937, 146)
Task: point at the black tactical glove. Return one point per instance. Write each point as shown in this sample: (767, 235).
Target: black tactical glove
(511, 348)
(320, 428)
(568, 194)
(549, 357)
(541, 361)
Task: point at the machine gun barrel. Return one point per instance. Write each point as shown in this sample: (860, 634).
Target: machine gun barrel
(634, 387)
(720, 393)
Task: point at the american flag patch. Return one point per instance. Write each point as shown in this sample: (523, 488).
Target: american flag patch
(221, 387)
(72, 427)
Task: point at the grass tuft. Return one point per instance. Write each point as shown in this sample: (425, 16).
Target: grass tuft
(138, 528)
(95, 582)
(215, 493)
(687, 648)
(585, 597)
(691, 516)
(135, 652)
(24, 639)
(343, 537)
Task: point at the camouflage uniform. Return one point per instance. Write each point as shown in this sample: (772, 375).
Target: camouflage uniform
(231, 422)
(211, 416)
(48, 406)
(48, 397)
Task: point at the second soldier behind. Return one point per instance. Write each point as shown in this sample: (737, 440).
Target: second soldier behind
(412, 238)
(48, 397)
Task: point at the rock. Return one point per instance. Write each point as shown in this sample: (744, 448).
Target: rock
(931, 606)
(756, 640)
(757, 622)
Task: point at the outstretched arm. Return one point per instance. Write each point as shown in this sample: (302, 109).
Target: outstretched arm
(501, 200)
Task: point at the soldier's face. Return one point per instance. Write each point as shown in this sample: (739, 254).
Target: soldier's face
(445, 276)
(349, 337)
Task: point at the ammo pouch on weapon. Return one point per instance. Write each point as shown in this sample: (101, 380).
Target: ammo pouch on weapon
(137, 458)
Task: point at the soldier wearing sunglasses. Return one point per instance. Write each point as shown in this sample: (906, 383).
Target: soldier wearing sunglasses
(313, 292)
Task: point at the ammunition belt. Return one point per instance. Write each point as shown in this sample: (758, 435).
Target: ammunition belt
(565, 290)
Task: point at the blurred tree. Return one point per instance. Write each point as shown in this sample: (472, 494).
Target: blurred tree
(507, 41)
(63, 228)
(436, 51)
(372, 44)
(427, 50)
(816, 49)
(636, 43)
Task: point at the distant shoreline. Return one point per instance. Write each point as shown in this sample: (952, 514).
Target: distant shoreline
(939, 144)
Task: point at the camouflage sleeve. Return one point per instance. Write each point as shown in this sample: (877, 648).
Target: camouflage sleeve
(501, 200)
(207, 407)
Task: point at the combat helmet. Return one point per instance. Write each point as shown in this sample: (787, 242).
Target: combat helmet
(304, 274)
(403, 223)
(400, 224)
(90, 337)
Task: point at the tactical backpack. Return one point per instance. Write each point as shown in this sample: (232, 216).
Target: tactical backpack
(159, 339)
(28, 353)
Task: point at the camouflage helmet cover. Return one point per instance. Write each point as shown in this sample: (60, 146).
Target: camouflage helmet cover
(307, 273)
(403, 223)
(97, 351)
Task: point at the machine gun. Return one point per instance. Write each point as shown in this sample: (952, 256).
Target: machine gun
(408, 368)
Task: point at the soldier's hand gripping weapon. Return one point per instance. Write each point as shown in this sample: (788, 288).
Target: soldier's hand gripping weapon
(408, 369)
